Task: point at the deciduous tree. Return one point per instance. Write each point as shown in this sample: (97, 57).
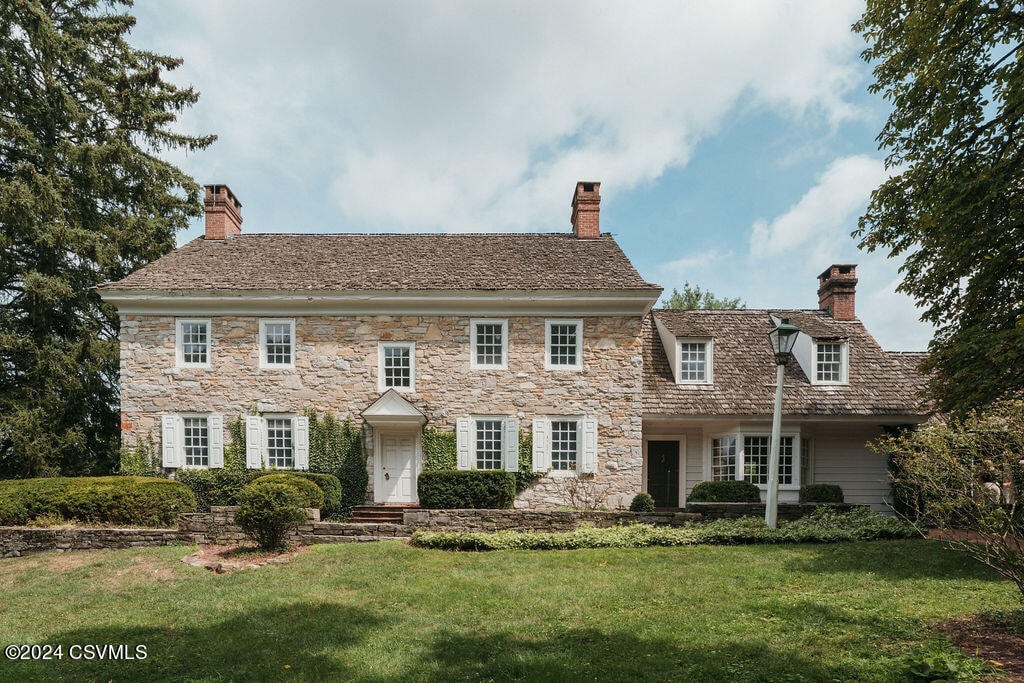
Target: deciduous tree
(954, 205)
(84, 198)
(696, 298)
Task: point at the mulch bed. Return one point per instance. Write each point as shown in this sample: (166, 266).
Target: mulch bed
(224, 558)
(995, 642)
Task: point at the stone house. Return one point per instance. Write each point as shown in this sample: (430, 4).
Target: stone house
(490, 336)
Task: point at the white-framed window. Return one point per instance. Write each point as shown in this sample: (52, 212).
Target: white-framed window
(696, 361)
(831, 362)
(806, 461)
(563, 344)
(488, 442)
(565, 444)
(277, 343)
(277, 441)
(396, 366)
(488, 341)
(192, 342)
(192, 440)
(746, 456)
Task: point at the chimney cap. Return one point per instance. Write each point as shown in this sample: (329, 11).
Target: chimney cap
(214, 190)
(841, 270)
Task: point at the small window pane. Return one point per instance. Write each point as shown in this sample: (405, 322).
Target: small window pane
(563, 343)
(564, 440)
(693, 366)
(489, 344)
(829, 363)
(723, 458)
(279, 343)
(786, 460)
(280, 452)
(397, 366)
(755, 459)
(195, 340)
(197, 442)
(488, 444)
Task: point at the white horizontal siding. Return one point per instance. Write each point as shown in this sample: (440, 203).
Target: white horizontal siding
(842, 457)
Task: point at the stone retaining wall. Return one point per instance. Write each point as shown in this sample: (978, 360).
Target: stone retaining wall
(535, 520)
(17, 541)
(787, 511)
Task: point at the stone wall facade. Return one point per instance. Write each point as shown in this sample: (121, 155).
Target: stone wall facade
(336, 365)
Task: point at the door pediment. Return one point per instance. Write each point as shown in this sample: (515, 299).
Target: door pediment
(393, 410)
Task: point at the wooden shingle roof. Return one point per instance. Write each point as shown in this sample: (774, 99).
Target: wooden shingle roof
(880, 383)
(391, 262)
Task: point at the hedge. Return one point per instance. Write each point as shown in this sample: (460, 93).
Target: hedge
(730, 491)
(271, 506)
(216, 486)
(480, 489)
(821, 493)
(331, 488)
(310, 495)
(125, 501)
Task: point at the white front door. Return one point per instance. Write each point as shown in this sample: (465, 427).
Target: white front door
(398, 468)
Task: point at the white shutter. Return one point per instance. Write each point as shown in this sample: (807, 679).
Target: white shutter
(215, 428)
(302, 443)
(510, 445)
(541, 450)
(169, 432)
(253, 445)
(588, 460)
(462, 440)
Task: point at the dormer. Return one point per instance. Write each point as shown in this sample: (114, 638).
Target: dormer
(692, 358)
(824, 360)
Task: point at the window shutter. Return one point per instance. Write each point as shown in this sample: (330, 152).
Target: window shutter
(169, 429)
(462, 439)
(215, 428)
(510, 442)
(253, 445)
(302, 443)
(588, 461)
(541, 451)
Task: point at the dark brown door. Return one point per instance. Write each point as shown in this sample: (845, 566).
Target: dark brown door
(663, 473)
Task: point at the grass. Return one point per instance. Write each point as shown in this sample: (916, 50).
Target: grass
(386, 611)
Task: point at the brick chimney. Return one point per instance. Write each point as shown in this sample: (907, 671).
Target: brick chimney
(586, 210)
(837, 288)
(223, 213)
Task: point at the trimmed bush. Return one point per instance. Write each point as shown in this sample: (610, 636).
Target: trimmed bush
(824, 526)
(480, 489)
(127, 501)
(725, 492)
(331, 488)
(642, 502)
(268, 509)
(310, 495)
(216, 487)
(821, 493)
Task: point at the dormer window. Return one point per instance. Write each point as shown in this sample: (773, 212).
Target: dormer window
(831, 362)
(695, 361)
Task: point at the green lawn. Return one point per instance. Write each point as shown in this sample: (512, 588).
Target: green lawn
(385, 611)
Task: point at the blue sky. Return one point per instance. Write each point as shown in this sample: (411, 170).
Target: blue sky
(734, 140)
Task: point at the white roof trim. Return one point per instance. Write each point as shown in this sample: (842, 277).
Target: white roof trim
(405, 302)
(393, 409)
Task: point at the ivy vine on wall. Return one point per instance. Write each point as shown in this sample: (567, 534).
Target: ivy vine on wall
(440, 454)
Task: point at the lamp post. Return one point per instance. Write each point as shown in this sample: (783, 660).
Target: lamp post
(782, 339)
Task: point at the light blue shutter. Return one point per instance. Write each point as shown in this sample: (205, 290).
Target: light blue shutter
(541, 451)
(169, 433)
(510, 445)
(588, 460)
(253, 442)
(462, 440)
(302, 443)
(215, 428)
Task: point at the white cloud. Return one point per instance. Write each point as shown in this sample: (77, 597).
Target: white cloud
(478, 116)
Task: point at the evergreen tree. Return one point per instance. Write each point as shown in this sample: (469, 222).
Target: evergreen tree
(83, 199)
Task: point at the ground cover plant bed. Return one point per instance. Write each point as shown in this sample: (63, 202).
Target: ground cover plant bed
(822, 526)
(390, 612)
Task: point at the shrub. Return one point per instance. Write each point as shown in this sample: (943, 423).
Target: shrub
(129, 501)
(725, 492)
(826, 525)
(268, 509)
(331, 488)
(481, 489)
(642, 502)
(310, 495)
(216, 487)
(821, 493)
